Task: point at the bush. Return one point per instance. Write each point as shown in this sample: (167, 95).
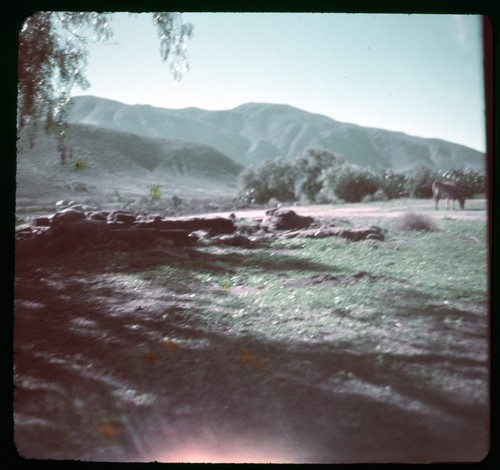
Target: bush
(273, 203)
(352, 183)
(411, 221)
(323, 198)
(310, 168)
(393, 184)
(271, 179)
(379, 195)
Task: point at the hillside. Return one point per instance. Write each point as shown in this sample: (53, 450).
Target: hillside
(121, 163)
(127, 152)
(255, 132)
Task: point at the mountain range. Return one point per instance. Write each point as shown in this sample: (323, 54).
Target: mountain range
(254, 132)
(124, 150)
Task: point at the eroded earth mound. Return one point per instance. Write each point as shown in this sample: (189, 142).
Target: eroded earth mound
(77, 227)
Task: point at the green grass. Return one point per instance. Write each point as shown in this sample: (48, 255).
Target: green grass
(269, 291)
(445, 265)
(423, 290)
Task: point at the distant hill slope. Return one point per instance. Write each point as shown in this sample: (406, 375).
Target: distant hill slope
(123, 151)
(255, 132)
(124, 162)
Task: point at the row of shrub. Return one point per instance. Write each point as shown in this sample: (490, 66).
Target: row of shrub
(319, 176)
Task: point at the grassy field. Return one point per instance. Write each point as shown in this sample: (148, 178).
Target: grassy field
(306, 350)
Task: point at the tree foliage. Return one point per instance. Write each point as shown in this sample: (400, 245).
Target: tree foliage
(272, 179)
(393, 184)
(287, 181)
(469, 181)
(311, 167)
(52, 58)
(419, 182)
(353, 183)
(320, 176)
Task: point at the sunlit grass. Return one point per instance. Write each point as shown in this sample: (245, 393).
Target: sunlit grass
(269, 291)
(448, 264)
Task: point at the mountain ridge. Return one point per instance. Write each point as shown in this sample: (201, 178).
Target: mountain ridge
(253, 132)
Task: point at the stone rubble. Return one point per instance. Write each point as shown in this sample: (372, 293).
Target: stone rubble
(71, 229)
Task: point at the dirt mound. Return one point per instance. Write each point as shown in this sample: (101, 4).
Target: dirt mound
(72, 230)
(289, 224)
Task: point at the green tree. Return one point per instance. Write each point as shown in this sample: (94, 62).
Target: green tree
(393, 184)
(270, 179)
(250, 186)
(469, 181)
(352, 183)
(311, 167)
(52, 58)
(419, 182)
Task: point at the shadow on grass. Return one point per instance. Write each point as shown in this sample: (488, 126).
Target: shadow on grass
(230, 262)
(114, 372)
(192, 259)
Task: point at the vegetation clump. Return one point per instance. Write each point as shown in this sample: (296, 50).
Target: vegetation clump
(319, 176)
(412, 221)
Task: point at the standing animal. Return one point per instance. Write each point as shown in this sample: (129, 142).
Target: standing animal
(448, 190)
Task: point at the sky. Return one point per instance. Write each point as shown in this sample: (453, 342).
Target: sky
(417, 74)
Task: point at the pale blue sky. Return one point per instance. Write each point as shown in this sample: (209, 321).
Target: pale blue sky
(418, 74)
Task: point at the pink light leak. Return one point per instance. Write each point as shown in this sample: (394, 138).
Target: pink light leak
(228, 451)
